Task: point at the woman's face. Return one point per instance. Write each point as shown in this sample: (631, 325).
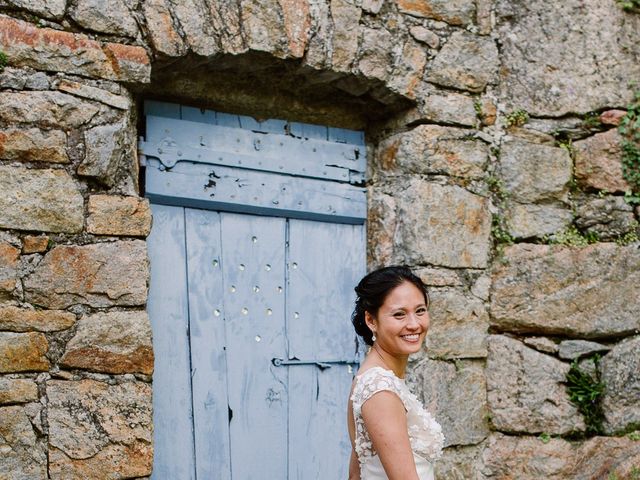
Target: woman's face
(402, 321)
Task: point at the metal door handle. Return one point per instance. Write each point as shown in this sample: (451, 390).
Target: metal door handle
(322, 364)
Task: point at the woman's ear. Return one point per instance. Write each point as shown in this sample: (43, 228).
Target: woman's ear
(369, 320)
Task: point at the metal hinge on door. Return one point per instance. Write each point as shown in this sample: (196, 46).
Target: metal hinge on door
(322, 364)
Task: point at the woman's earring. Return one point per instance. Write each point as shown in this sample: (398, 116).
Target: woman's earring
(373, 338)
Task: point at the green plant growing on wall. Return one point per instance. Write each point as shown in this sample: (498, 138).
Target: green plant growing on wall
(585, 392)
(572, 237)
(3, 60)
(517, 118)
(591, 120)
(629, 5)
(629, 237)
(629, 129)
(544, 437)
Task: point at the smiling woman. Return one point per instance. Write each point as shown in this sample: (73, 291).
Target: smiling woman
(392, 435)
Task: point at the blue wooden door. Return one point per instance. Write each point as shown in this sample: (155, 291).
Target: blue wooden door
(250, 303)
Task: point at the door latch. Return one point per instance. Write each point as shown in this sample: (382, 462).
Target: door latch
(321, 364)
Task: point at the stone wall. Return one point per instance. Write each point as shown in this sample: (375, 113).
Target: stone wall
(494, 170)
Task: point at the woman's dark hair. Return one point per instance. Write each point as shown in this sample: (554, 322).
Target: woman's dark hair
(373, 290)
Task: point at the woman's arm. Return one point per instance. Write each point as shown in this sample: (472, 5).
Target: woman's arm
(386, 422)
(354, 467)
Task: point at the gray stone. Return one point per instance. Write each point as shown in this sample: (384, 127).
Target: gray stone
(454, 12)
(529, 458)
(9, 263)
(533, 172)
(466, 61)
(598, 162)
(531, 220)
(459, 463)
(23, 456)
(95, 427)
(425, 35)
(526, 392)
(459, 325)
(106, 147)
(542, 344)
(17, 319)
(106, 17)
(100, 275)
(586, 292)
(33, 145)
(111, 342)
(441, 225)
(345, 15)
(620, 370)
(407, 71)
(609, 217)
(432, 149)
(381, 224)
(456, 396)
(375, 53)
(164, 37)
(18, 390)
(53, 9)
(93, 93)
(447, 107)
(567, 57)
(570, 349)
(118, 215)
(45, 200)
(438, 277)
(263, 26)
(372, 6)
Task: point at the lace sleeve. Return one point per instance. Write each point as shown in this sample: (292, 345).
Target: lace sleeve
(374, 380)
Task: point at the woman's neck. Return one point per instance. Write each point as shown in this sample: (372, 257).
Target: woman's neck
(392, 362)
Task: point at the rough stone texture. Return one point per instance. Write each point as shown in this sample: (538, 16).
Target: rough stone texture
(432, 149)
(164, 37)
(53, 9)
(620, 373)
(456, 395)
(346, 17)
(542, 344)
(456, 12)
(586, 292)
(115, 215)
(438, 277)
(23, 457)
(263, 26)
(570, 349)
(406, 77)
(23, 352)
(96, 428)
(380, 219)
(528, 458)
(598, 163)
(9, 256)
(459, 463)
(106, 145)
(35, 244)
(57, 51)
(375, 52)
(449, 107)
(112, 17)
(441, 225)
(612, 117)
(93, 93)
(17, 390)
(526, 392)
(100, 275)
(425, 35)
(45, 200)
(466, 61)
(33, 145)
(565, 57)
(18, 319)
(531, 220)
(458, 327)
(113, 342)
(533, 172)
(608, 217)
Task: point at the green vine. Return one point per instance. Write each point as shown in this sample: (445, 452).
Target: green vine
(3, 60)
(629, 5)
(629, 129)
(585, 392)
(572, 237)
(517, 118)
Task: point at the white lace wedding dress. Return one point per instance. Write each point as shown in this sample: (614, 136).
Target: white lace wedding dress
(425, 434)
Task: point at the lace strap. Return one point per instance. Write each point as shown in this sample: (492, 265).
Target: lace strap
(372, 381)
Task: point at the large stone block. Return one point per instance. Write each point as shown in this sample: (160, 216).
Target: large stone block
(53, 9)
(526, 392)
(116, 215)
(113, 17)
(609, 217)
(345, 15)
(121, 102)
(9, 257)
(456, 396)
(586, 292)
(96, 428)
(106, 148)
(23, 456)
(530, 220)
(459, 463)
(23, 352)
(375, 53)
(163, 34)
(620, 373)
(441, 225)
(447, 107)
(566, 57)
(53, 50)
(532, 172)
(18, 390)
(529, 458)
(456, 12)
(17, 319)
(432, 149)
(381, 225)
(45, 200)
(112, 342)
(408, 69)
(33, 145)
(466, 62)
(599, 162)
(459, 325)
(263, 26)
(100, 275)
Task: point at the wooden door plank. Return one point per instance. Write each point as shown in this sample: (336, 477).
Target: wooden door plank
(201, 115)
(254, 279)
(325, 262)
(161, 109)
(343, 135)
(227, 120)
(168, 311)
(208, 355)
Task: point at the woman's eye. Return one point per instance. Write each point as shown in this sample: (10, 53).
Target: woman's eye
(398, 315)
(421, 311)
